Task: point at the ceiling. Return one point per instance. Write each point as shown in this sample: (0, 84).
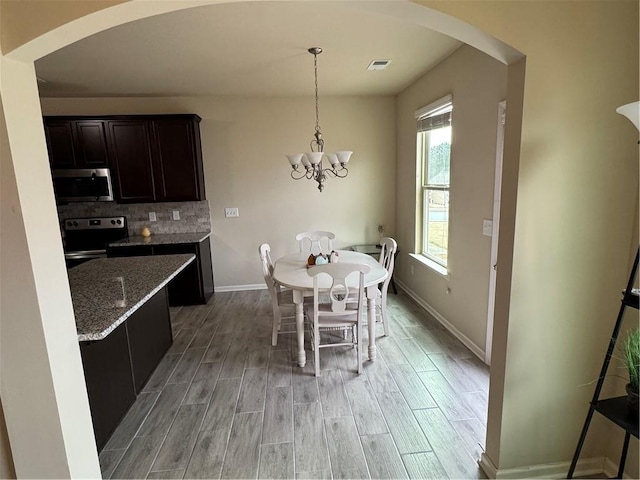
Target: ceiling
(246, 49)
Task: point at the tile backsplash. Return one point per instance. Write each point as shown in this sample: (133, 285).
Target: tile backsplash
(194, 216)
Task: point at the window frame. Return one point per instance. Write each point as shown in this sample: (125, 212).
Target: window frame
(433, 110)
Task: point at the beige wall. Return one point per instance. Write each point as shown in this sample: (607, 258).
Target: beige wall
(577, 195)
(478, 84)
(18, 25)
(7, 469)
(244, 141)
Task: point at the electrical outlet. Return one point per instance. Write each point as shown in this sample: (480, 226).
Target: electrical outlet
(231, 212)
(176, 215)
(152, 216)
(487, 227)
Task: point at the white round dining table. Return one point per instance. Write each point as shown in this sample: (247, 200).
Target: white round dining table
(291, 271)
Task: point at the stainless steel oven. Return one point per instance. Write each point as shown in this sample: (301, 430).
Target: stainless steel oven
(87, 238)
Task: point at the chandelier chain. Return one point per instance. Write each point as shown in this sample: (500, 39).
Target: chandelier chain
(315, 68)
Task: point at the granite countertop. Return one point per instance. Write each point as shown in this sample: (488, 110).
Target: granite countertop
(162, 239)
(97, 289)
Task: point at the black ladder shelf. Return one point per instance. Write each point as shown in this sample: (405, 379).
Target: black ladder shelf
(615, 409)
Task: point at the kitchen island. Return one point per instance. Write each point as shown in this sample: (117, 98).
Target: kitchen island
(106, 291)
(124, 329)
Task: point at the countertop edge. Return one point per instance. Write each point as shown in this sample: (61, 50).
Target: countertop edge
(138, 243)
(89, 337)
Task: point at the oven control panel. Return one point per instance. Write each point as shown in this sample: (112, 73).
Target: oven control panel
(95, 223)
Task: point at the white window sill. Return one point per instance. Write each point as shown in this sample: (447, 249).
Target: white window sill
(436, 267)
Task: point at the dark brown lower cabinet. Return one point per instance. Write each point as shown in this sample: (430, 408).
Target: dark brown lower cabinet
(150, 337)
(117, 367)
(107, 373)
(192, 286)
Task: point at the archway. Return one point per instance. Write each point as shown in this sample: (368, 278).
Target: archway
(31, 206)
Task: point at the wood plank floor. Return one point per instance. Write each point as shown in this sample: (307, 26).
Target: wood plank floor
(224, 403)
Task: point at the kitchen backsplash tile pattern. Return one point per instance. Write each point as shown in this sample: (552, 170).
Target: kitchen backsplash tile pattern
(194, 216)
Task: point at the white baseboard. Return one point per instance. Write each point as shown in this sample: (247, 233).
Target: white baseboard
(487, 466)
(588, 466)
(611, 469)
(240, 288)
(477, 351)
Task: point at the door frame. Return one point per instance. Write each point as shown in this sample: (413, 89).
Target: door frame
(497, 189)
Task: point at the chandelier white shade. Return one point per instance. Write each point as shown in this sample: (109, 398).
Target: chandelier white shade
(632, 112)
(311, 168)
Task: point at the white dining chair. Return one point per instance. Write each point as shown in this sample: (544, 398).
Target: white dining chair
(338, 313)
(387, 260)
(322, 241)
(280, 298)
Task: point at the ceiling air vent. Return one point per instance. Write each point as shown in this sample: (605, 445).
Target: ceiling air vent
(378, 64)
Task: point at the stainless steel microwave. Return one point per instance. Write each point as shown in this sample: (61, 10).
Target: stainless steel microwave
(82, 185)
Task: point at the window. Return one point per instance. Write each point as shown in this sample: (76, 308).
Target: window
(434, 164)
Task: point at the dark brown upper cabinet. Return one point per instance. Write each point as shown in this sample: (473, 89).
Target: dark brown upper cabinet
(131, 162)
(76, 143)
(156, 158)
(153, 158)
(178, 174)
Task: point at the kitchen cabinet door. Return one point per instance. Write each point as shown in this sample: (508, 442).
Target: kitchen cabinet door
(59, 135)
(91, 144)
(107, 373)
(130, 154)
(178, 159)
(150, 336)
(206, 268)
(76, 143)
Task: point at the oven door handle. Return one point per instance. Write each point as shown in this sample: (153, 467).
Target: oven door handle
(85, 255)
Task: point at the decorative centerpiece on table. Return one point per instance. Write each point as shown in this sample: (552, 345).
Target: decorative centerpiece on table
(631, 358)
(322, 259)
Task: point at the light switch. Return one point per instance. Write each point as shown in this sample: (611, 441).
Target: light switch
(176, 215)
(231, 212)
(487, 227)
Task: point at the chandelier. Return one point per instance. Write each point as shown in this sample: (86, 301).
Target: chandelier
(312, 161)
